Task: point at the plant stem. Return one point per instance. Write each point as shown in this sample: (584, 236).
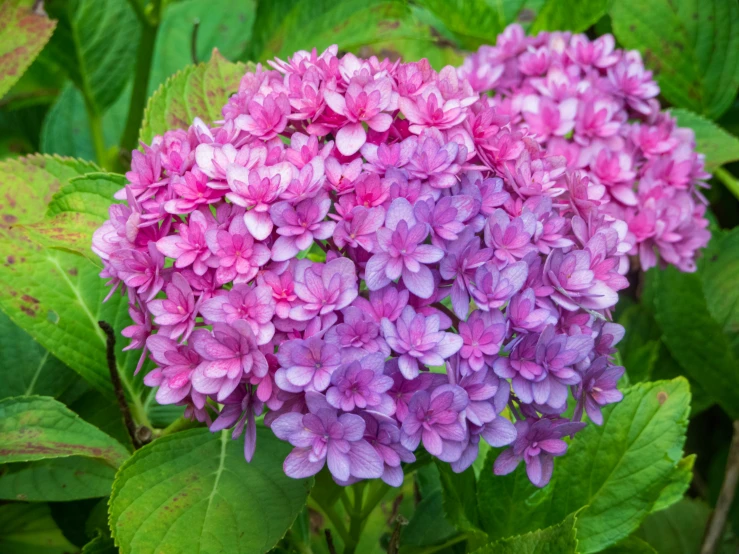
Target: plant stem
(133, 431)
(334, 518)
(731, 182)
(716, 523)
(139, 94)
(96, 131)
(374, 499)
(356, 519)
(179, 424)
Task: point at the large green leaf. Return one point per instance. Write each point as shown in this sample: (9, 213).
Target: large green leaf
(508, 504)
(557, 539)
(23, 33)
(27, 368)
(678, 485)
(718, 146)
(630, 545)
(196, 91)
(57, 480)
(91, 193)
(695, 339)
(193, 491)
(618, 471)
(55, 296)
(30, 529)
(37, 427)
(95, 41)
(66, 128)
(221, 24)
(428, 525)
(692, 45)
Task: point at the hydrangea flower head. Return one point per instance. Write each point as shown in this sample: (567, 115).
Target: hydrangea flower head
(380, 258)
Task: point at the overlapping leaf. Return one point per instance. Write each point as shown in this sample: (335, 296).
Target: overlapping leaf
(38, 427)
(196, 91)
(557, 539)
(30, 529)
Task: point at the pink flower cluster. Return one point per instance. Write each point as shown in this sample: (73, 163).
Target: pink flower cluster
(597, 106)
(380, 258)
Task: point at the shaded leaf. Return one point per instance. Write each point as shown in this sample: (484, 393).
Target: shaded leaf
(23, 33)
(95, 42)
(679, 484)
(428, 525)
(719, 270)
(695, 340)
(38, 427)
(30, 529)
(221, 24)
(57, 480)
(677, 530)
(27, 368)
(565, 15)
(630, 545)
(692, 46)
(194, 491)
(508, 504)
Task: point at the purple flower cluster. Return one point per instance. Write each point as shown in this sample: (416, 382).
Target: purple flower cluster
(597, 106)
(377, 258)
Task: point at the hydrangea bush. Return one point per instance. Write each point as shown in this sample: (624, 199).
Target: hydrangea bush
(378, 257)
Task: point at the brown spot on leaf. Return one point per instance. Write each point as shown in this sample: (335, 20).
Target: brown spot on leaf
(27, 298)
(9, 219)
(73, 272)
(10, 260)
(28, 311)
(662, 397)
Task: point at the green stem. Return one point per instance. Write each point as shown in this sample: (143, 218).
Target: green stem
(334, 518)
(374, 499)
(179, 424)
(356, 519)
(447, 544)
(731, 182)
(139, 94)
(96, 130)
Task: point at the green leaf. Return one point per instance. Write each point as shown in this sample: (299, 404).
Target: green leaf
(508, 504)
(66, 128)
(640, 347)
(196, 91)
(618, 471)
(23, 34)
(719, 270)
(194, 491)
(37, 427)
(692, 46)
(565, 15)
(477, 22)
(30, 529)
(718, 146)
(677, 530)
(557, 539)
(57, 480)
(428, 524)
(26, 367)
(221, 24)
(55, 296)
(95, 41)
(695, 339)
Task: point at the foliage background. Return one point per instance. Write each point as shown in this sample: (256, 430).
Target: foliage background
(75, 77)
